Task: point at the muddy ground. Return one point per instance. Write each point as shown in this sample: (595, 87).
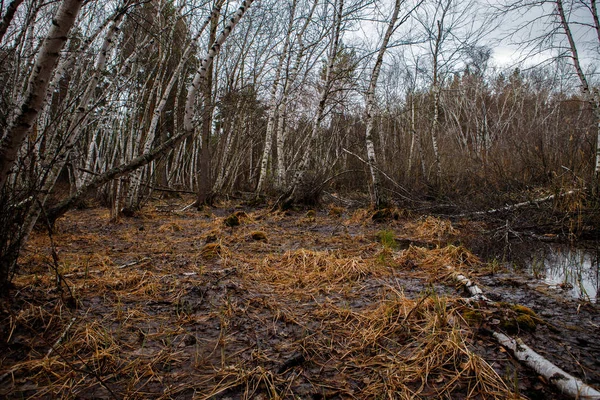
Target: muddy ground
(309, 304)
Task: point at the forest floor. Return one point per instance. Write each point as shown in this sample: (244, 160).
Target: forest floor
(323, 304)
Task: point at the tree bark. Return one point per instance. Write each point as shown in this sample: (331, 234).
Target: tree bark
(8, 17)
(370, 107)
(323, 97)
(436, 104)
(275, 103)
(289, 82)
(121, 170)
(592, 97)
(62, 207)
(204, 180)
(37, 86)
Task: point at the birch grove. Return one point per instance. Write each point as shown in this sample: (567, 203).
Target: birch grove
(33, 98)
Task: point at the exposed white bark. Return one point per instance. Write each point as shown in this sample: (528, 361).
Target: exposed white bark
(592, 96)
(8, 16)
(137, 176)
(274, 102)
(150, 156)
(201, 72)
(522, 204)
(280, 133)
(38, 84)
(323, 97)
(370, 105)
(567, 383)
(474, 290)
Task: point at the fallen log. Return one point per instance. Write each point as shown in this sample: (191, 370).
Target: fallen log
(520, 205)
(565, 382)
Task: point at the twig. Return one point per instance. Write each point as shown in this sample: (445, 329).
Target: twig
(520, 205)
(73, 367)
(384, 174)
(60, 280)
(187, 207)
(133, 263)
(421, 300)
(60, 339)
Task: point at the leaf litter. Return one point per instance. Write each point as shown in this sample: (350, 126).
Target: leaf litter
(186, 305)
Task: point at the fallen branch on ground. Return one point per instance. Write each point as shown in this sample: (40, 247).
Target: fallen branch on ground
(566, 383)
(520, 205)
(60, 339)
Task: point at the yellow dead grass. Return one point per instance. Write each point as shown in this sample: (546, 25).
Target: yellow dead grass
(431, 229)
(435, 261)
(355, 341)
(311, 271)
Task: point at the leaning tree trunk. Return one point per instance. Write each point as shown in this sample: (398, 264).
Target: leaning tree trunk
(135, 195)
(144, 159)
(274, 103)
(60, 151)
(370, 107)
(37, 86)
(8, 16)
(592, 97)
(204, 180)
(323, 97)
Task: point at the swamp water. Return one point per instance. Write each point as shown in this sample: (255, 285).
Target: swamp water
(573, 270)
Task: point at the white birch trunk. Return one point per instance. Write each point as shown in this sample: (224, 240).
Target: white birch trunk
(146, 158)
(201, 72)
(138, 176)
(323, 97)
(413, 134)
(436, 100)
(8, 16)
(289, 82)
(567, 383)
(37, 86)
(274, 103)
(280, 138)
(592, 97)
(370, 107)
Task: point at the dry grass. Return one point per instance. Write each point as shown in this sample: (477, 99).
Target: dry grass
(434, 261)
(162, 314)
(432, 229)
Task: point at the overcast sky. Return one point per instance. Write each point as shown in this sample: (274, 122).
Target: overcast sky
(515, 40)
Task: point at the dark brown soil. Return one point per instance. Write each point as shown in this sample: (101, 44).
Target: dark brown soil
(172, 304)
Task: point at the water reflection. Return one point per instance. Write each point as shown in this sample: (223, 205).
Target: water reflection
(574, 270)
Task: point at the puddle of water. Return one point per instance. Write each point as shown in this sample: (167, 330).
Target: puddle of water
(574, 270)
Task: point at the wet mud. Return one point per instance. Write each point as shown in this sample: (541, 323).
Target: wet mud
(182, 305)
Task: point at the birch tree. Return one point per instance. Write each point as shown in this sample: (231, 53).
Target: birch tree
(324, 94)
(592, 95)
(370, 103)
(38, 84)
(189, 126)
(275, 100)
(8, 16)
(204, 181)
